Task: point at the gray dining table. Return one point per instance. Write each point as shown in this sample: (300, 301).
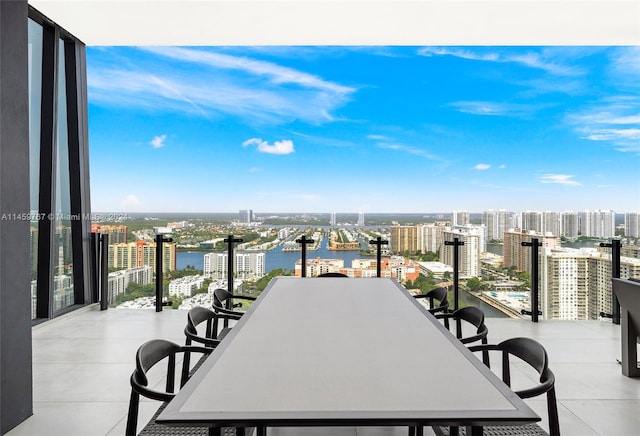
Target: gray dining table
(342, 352)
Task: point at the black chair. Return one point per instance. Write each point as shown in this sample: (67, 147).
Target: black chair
(148, 355)
(212, 333)
(533, 353)
(470, 315)
(332, 274)
(223, 302)
(437, 294)
(210, 337)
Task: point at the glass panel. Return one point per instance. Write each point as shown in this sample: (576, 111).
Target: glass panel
(63, 267)
(35, 95)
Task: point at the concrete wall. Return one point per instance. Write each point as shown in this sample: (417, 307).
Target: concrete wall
(15, 294)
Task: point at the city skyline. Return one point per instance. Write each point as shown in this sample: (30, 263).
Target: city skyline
(364, 129)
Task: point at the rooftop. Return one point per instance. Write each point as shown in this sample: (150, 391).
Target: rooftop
(82, 362)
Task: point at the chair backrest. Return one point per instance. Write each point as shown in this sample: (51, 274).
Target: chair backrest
(220, 297)
(532, 352)
(196, 316)
(439, 294)
(332, 274)
(472, 315)
(148, 355)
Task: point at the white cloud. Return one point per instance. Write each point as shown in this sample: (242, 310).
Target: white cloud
(530, 59)
(493, 108)
(482, 166)
(130, 201)
(614, 120)
(502, 166)
(407, 149)
(561, 179)
(209, 83)
(158, 141)
(279, 147)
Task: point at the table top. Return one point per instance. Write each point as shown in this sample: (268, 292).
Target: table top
(338, 351)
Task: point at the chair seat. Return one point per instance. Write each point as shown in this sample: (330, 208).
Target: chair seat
(153, 429)
(531, 429)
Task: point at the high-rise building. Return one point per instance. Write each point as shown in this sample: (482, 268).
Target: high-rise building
(361, 219)
(496, 223)
(632, 224)
(569, 224)
(575, 284)
(551, 223)
(404, 239)
(598, 223)
(468, 253)
(332, 219)
(519, 257)
(430, 237)
(460, 218)
(117, 234)
(246, 216)
(247, 265)
(140, 253)
(564, 284)
(532, 220)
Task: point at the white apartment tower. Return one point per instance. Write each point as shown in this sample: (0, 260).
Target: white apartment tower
(468, 254)
(632, 224)
(496, 223)
(430, 237)
(551, 223)
(247, 265)
(565, 283)
(598, 224)
(460, 218)
(532, 220)
(569, 224)
(361, 219)
(575, 284)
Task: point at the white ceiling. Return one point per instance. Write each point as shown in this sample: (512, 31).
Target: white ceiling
(347, 22)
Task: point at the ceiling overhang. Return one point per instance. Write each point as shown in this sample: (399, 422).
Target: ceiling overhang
(347, 22)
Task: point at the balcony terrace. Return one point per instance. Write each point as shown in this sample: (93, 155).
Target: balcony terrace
(82, 362)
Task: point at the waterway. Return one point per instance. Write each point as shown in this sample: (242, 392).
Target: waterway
(276, 258)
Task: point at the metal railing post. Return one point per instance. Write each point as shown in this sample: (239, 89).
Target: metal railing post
(104, 271)
(615, 273)
(95, 267)
(304, 241)
(160, 239)
(534, 244)
(230, 240)
(456, 270)
(378, 242)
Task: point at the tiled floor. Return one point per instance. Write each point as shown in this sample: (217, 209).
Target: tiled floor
(82, 363)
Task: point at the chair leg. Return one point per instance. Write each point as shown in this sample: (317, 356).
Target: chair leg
(132, 417)
(552, 409)
(412, 431)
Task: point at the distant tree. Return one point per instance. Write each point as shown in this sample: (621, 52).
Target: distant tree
(422, 282)
(474, 284)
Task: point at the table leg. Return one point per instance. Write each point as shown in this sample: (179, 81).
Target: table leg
(475, 431)
(261, 431)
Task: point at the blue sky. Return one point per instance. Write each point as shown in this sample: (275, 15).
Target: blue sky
(364, 129)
